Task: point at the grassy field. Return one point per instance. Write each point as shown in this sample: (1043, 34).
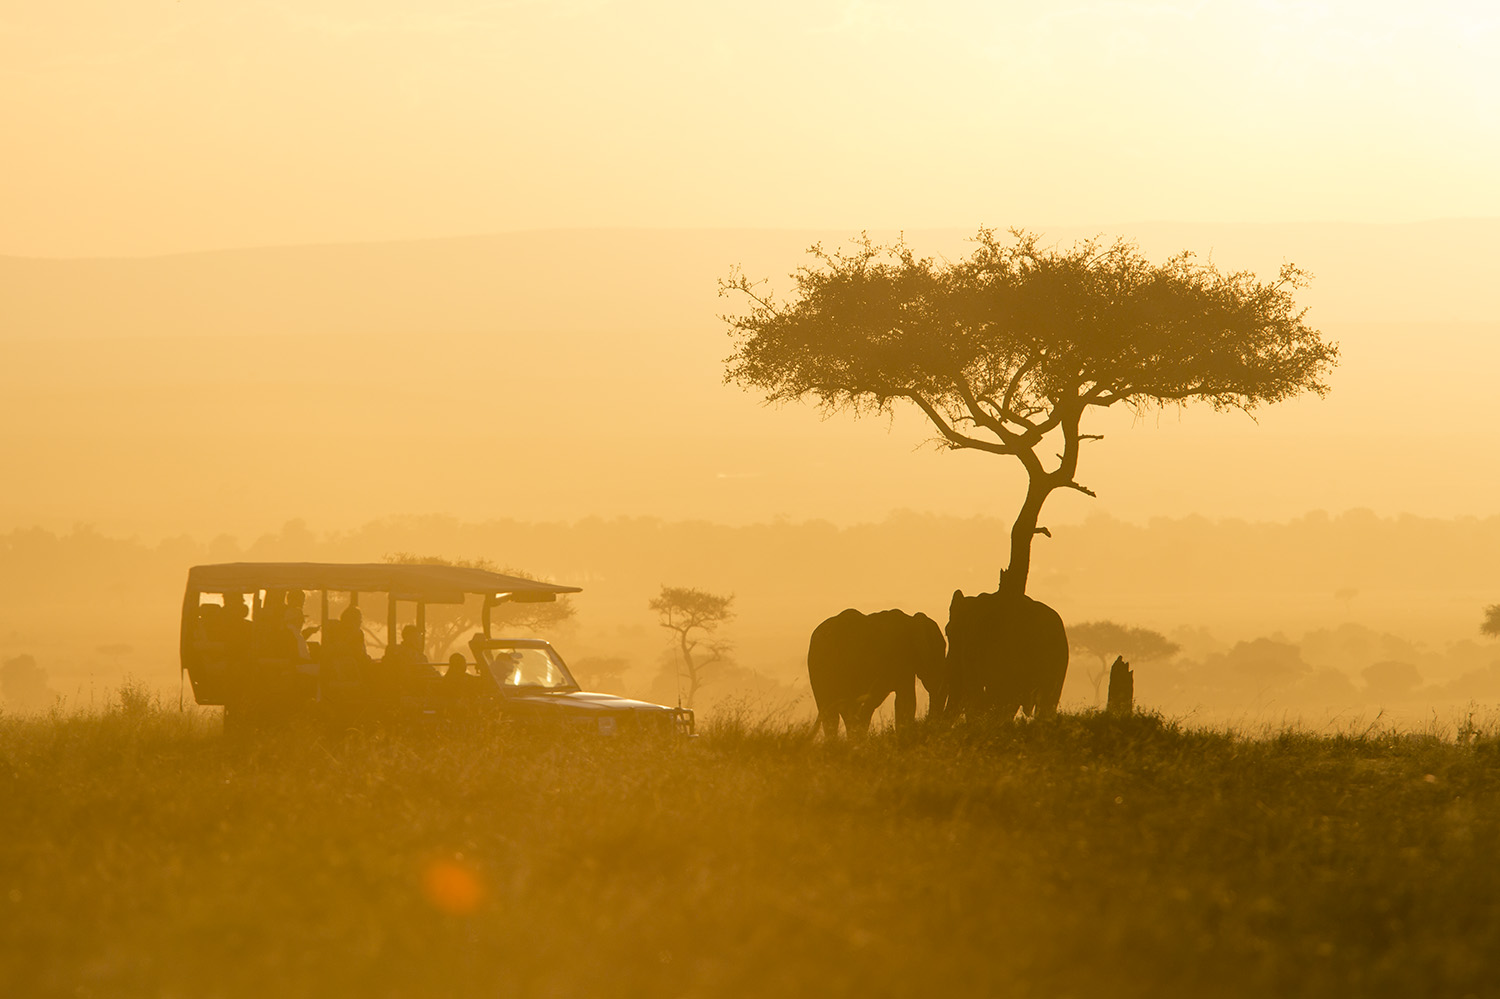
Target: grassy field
(141, 853)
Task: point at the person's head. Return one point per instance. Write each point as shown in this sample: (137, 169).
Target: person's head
(234, 605)
(456, 665)
(410, 635)
(352, 616)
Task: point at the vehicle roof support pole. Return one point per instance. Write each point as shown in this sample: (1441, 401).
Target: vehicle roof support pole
(422, 623)
(322, 639)
(390, 623)
(489, 601)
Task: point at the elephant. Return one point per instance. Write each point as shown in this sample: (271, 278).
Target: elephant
(1006, 652)
(854, 661)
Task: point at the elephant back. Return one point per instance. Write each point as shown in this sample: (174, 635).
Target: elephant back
(1005, 652)
(856, 654)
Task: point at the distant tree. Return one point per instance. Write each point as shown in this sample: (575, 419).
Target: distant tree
(1005, 351)
(693, 616)
(1267, 662)
(1491, 624)
(23, 684)
(600, 672)
(447, 623)
(1106, 639)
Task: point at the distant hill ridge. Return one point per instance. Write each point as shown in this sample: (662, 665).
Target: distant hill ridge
(665, 280)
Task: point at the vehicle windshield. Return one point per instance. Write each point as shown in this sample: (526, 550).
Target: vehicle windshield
(530, 666)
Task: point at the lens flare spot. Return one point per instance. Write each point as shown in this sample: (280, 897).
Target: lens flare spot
(452, 887)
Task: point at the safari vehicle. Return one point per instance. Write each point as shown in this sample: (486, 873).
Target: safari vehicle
(251, 644)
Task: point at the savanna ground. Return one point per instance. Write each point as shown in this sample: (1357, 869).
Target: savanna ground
(142, 853)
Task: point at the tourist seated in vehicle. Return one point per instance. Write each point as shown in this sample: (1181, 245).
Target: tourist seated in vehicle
(408, 653)
(456, 679)
(344, 656)
(274, 634)
(296, 618)
(348, 639)
(296, 635)
(234, 624)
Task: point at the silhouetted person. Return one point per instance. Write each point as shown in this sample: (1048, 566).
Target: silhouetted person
(409, 651)
(272, 640)
(235, 622)
(456, 680)
(296, 609)
(352, 634)
(236, 629)
(344, 646)
(296, 635)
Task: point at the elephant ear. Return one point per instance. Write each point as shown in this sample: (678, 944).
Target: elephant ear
(958, 596)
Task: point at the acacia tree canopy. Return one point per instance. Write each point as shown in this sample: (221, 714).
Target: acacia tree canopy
(1012, 345)
(447, 623)
(1103, 639)
(693, 615)
(1106, 638)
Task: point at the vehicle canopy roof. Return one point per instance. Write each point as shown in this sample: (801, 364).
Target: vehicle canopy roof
(431, 583)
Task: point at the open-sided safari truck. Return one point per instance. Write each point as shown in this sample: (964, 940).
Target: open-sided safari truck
(271, 640)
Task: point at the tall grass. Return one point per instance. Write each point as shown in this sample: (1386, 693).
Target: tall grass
(141, 853)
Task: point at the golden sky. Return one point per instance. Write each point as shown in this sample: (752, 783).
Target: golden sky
(148, 126)
(261, 385)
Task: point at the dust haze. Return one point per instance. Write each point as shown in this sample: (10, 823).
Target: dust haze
(1133, 466)
(478, 397)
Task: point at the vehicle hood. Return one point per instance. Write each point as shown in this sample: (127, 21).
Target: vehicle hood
(585, 702)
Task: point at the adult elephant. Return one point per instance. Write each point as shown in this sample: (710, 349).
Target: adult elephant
(855, 661)
(1006, 653)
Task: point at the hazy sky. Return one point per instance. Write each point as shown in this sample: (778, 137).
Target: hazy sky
(151, 126)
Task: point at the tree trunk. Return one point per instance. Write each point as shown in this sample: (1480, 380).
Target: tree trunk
(692, 668)
(1013, 579)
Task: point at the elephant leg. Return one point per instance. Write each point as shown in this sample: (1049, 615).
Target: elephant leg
(857, 718)
(1029, 704)
(1042, 706)
(829, 718)
(1052, 694)
(906, 705)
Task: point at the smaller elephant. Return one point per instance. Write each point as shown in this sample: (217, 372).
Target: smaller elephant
(855, 661)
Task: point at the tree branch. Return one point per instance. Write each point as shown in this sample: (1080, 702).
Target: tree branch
(1015, 381)
(953, 436)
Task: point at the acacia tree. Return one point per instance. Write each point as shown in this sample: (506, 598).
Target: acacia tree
(1007, 350)
(1491, 623)
(1104, 639)
(693, 616)
(447, 623)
